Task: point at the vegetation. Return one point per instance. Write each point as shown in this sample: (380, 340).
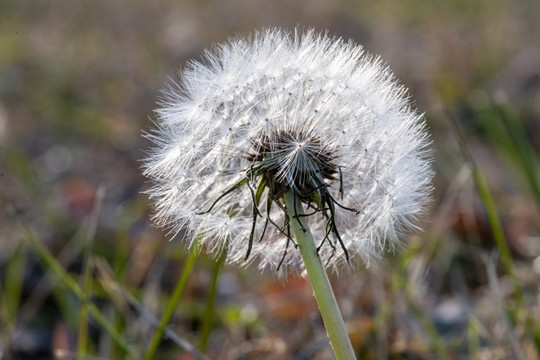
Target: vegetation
(84, 274)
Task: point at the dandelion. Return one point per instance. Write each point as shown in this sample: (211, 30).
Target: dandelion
(275, 113)
(275, 125)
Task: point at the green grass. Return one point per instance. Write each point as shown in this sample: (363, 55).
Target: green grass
(84, 270)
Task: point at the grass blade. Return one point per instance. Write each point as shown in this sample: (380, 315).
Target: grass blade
(114, 287)
(496, 228)
(491, 211)
(506, 133)
(86, 280)
(49, 259)
(173, 302)
(209, 313)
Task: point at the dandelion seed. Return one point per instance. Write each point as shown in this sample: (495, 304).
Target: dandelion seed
(278, 112)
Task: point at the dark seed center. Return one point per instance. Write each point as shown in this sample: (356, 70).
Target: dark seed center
(293, 160)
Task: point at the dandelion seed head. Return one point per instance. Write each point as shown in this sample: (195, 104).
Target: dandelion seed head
(278, 112)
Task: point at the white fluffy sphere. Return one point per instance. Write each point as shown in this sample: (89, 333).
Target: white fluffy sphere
(279, 112)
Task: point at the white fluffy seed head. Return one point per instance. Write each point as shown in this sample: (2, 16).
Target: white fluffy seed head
(313, 111)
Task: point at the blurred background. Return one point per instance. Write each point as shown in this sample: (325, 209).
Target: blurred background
(78, 84)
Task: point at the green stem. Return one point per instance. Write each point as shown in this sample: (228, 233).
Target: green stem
(209, 312)
(335, 327)
(173, 302)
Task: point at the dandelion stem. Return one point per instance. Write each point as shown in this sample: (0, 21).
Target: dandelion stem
(335, 327)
